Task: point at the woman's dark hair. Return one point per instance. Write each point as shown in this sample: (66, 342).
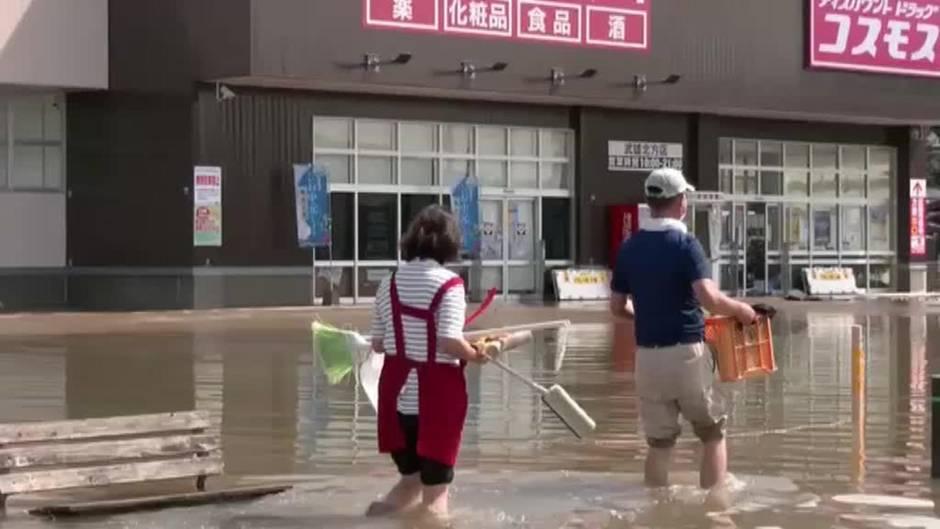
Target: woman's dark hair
(433, 234)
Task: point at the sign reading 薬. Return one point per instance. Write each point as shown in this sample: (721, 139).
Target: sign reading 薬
(621, 24)
(643, 156)
(884, 36)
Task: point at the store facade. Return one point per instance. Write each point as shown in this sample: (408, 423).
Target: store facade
(811, 157)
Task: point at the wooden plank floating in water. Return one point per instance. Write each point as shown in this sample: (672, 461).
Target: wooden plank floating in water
(158, 502)
(40, 455)
(71, 478)
(137, 425)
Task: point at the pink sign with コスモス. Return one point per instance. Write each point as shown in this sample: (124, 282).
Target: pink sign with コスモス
(613, 24)
(900, 37)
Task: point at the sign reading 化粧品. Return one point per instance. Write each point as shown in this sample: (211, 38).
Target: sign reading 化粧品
(900, 37)
(643, 156)
(623, 24)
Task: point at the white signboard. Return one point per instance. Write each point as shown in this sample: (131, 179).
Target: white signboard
(643, 156)
(830, 281)
(581, 284)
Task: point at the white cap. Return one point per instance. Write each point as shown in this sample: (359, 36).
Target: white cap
(666, 183)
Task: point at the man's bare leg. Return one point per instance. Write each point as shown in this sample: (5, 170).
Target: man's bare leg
(658, 461)
(714, 464)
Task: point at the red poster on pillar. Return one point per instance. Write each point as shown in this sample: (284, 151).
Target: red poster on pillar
(613, 24)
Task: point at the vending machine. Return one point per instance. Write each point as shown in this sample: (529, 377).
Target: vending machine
(623, 221)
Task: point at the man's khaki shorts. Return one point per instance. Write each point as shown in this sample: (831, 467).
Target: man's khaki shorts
(674, 380)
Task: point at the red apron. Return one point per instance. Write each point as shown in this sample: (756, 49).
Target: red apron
(442, 388)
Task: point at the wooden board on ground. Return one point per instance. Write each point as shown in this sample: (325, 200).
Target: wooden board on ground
(158, 502)
(137, 425)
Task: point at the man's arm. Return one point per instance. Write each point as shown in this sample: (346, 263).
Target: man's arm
(621, 306)
(714, 301)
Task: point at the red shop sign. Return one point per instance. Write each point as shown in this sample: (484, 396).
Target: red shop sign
(918, 217)
(884, 36)
(623, 24)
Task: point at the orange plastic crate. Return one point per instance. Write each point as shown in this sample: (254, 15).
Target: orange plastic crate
(741, 351)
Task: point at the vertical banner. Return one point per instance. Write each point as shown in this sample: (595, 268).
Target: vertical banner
(207, 206)
(918, 217)
(312, 195)
(465, 201)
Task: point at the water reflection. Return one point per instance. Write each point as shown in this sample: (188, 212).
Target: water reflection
(279, 417)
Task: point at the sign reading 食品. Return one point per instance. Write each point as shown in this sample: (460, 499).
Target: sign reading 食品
(643, 155)
(599, 23)
(899, 37)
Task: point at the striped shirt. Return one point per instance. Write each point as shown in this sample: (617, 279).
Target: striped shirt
(418, 281)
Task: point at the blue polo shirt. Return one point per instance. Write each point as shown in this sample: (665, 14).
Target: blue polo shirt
(657, 268)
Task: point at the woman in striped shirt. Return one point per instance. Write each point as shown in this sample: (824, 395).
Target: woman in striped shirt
(418, 323)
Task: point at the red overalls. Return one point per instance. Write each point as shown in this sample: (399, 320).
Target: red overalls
(442, 389)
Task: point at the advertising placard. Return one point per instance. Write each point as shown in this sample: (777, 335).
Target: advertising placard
(643, 155)
(918, 217)
(312, 196)
(465, 201)
(897, 37)
(207, 206)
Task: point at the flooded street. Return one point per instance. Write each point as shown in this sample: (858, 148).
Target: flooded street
(795, 449)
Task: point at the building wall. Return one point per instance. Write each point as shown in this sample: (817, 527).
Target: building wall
(50, 43)
(736, 58)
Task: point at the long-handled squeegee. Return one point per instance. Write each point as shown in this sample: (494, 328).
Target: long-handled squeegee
(556, 398)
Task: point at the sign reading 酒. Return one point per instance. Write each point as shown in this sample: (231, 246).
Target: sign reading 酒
(643, 156)
(884, 36)
(600, 23)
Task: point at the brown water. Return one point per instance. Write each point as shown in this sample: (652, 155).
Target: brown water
(793, 442)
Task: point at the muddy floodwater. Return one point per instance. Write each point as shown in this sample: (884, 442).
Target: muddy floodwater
(799, 458)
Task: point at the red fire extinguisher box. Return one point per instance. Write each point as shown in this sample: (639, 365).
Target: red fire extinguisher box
(623, 221)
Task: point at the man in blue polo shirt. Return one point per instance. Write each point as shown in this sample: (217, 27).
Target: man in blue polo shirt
(662, 280)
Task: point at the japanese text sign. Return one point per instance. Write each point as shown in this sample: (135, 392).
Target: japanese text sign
(207, 206)
(918, 218)
(643, 156)
(883, 36)
(614, 24)
(312, 196)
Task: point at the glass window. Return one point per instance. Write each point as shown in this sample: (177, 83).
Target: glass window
(556, 227)
(378, 224)
(341, 277)
(525, 175)
(745, 182)
(554, 144)
(825, 157)
(28, 167)
(879, 185)
(853, 158)
(882, 159)
(880, 226)
(492, 141)
(52, 120)
(771, 154)
(796, 156)
(453, 170)
(796, 183)
(852, 184)
(726, 181)
(524, 142)
(338, 167)
(418, 138)
(341, 210)
(555, 175)
(797, 228)
(28, 119)
(824, 184)
(332, 133)
(824, 228)
(492, 174)
(376, 135)
(725, 152)
(491, 237)
(370, 279)
(521, 279)
(774, 228)
(411, 205)
(853, 228)
(881, 276)
(52, 167)
(458, 139)
(376, 170)
(745, 152)
(771, 183)
(418, 171)
(727, 229)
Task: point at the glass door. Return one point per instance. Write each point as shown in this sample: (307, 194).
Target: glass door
(521, 242)
(491, 244)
